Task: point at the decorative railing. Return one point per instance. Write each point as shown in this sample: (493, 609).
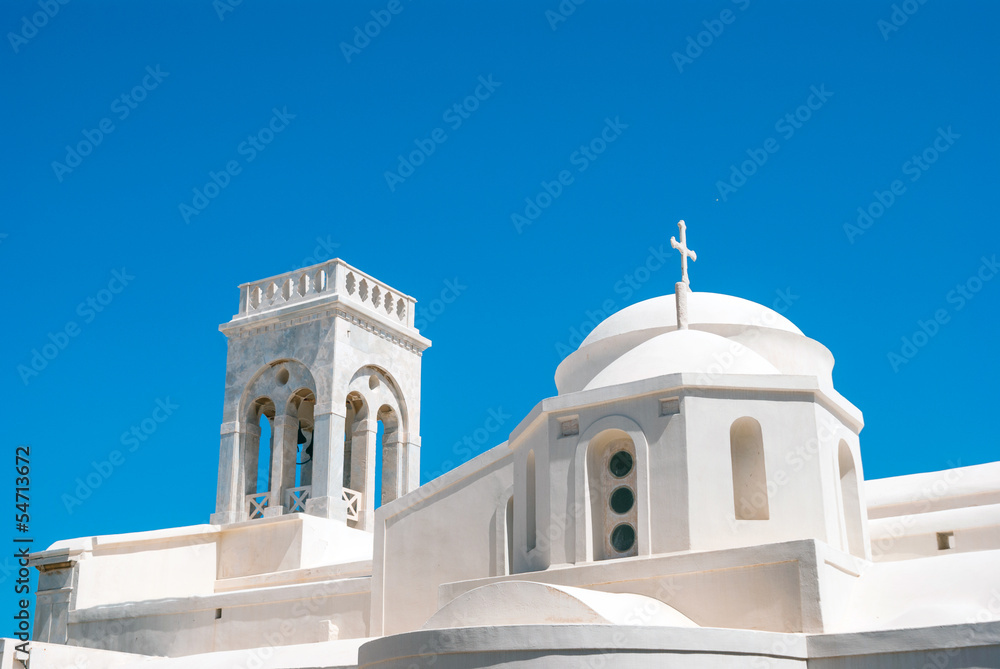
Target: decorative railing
(353, 499)
(329, 279)
(295, 499)
(256, 504)
(295, 502)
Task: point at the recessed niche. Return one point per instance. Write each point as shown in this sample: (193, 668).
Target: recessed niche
(945, 540)
(281, 376)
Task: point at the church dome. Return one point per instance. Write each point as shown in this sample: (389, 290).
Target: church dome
(703, 308)
(776, 344)
(688, 351)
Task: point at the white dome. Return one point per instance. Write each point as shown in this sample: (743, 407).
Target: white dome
(773, 338)
(703, 308)
(688, 351)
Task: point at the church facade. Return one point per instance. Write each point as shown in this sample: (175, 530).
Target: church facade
(692, 496)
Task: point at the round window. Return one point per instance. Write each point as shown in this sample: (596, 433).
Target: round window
(623, 537)
(622, 500)
(620, 464)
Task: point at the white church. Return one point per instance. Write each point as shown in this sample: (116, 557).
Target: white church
(693, 497)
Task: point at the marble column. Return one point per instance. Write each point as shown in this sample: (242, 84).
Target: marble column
(327, 497)
(411, 459)
(363, 455)
(228, 497)
(283, 452)
(393, 466)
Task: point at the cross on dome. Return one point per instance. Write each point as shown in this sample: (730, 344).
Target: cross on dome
(685, 252)
(683, 287)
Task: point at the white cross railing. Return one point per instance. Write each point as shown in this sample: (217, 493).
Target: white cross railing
(295, 499)
(353, 499)
(256, 503)
(295, 502)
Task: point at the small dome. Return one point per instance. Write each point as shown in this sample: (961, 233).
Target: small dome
(688, 351)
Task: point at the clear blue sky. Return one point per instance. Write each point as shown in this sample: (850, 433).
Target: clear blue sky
(344, 116)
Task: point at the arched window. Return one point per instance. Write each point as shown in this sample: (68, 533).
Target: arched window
(749, 473)
(389, 467)
(263, 473)
(304, 403)
(356, 452)
(851, 500)
(529, 502)
(257, 457)
(612, 474)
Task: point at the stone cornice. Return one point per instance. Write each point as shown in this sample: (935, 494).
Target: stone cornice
(334, 309)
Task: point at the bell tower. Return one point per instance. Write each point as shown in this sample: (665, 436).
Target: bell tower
(319, 358)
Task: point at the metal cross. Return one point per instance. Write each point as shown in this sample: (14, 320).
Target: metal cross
(685, 252)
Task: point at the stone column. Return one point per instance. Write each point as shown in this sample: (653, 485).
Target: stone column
(251, 458)
(327, 497)
(393, 466)
(363, 470)
(58, 584)
(228, 495)
(411, 459)
(283, 449)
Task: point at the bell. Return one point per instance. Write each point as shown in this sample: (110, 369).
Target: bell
(307, 450)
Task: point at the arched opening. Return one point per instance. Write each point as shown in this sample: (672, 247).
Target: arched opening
(611, 484)
(851, 500)
(529, 503)
(259, 441)
(263, 474)
(389, 467)
(749, 473)
(509, 536)
(302, 405)
(355, 455)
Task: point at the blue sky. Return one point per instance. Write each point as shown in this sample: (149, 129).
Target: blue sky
(633, 115)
